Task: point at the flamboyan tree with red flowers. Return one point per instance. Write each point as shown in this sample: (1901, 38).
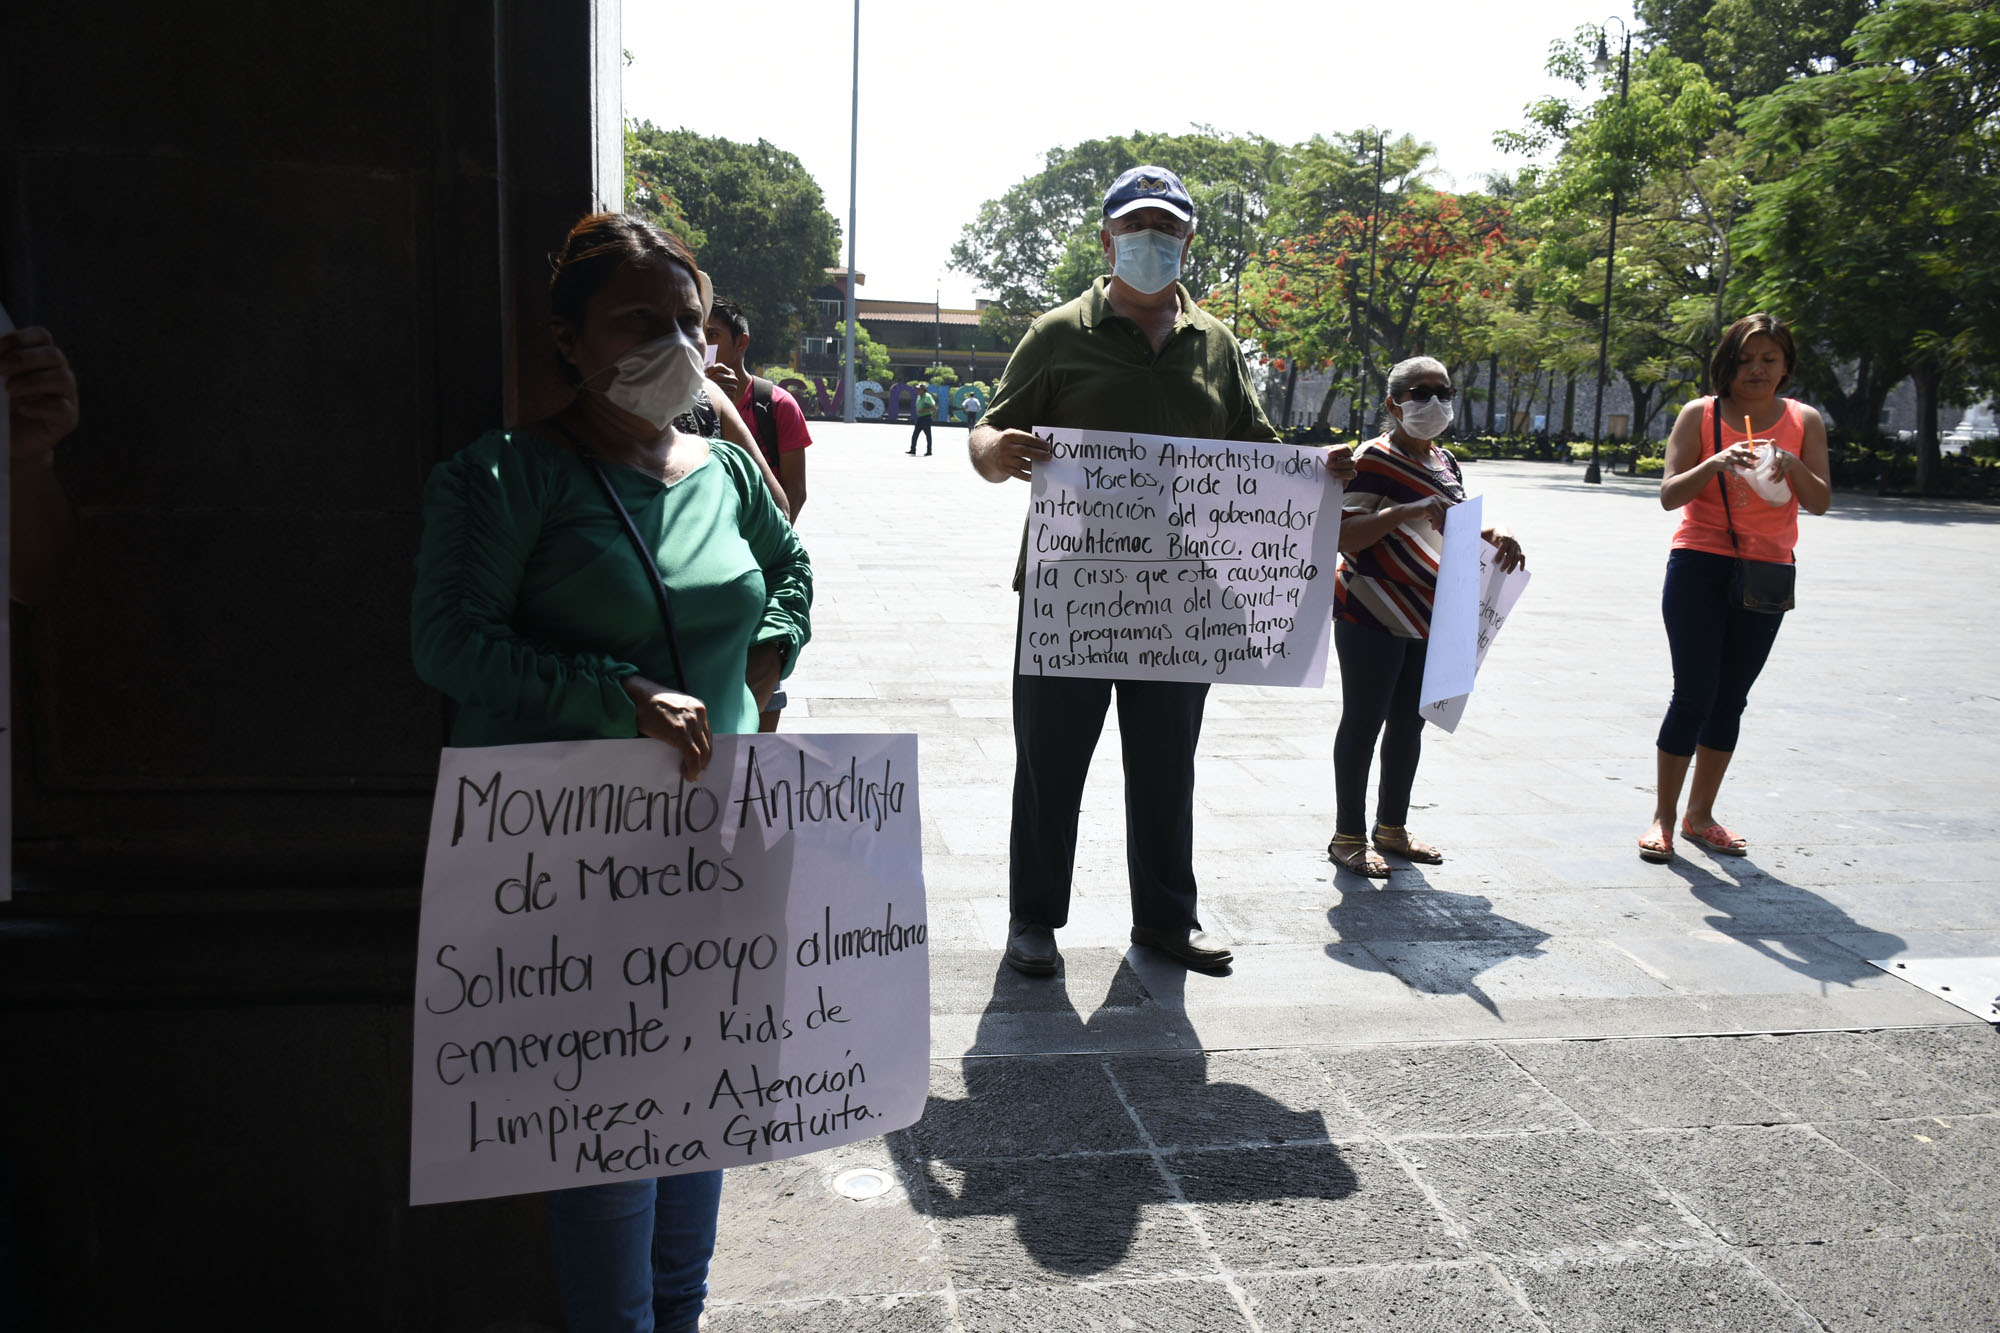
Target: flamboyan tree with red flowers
(1443, 264)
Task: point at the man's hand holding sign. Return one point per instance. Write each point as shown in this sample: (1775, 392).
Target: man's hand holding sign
(1192, 560)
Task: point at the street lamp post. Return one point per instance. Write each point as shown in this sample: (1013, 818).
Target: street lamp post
(1374, 230)
(1236, 297)
(1602, 63)
(848, 412)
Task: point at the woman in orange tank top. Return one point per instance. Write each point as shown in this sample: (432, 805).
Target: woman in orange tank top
(1718, 648)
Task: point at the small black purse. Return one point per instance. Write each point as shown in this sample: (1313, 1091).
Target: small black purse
(1754, 585)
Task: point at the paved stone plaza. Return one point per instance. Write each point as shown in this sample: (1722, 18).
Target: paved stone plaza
(1541, 1086)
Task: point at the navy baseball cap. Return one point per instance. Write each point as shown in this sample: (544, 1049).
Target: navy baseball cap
(1148, 187)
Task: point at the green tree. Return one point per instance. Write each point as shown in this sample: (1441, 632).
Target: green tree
(1752, 47)
(1665, 150)
(1876, 220)
(871, 359)
(752, 212)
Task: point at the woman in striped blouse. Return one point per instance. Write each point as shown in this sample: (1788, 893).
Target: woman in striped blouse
(1391, 535)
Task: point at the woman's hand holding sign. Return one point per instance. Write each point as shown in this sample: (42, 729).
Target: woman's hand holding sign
(681, 720)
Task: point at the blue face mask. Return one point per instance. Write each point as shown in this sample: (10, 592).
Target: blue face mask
(1147, 260)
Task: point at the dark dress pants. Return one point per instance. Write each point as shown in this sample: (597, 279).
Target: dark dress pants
(1057, 721)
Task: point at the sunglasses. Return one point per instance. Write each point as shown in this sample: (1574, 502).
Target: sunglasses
(1423, 393)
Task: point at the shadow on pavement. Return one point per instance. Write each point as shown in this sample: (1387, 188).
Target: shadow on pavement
(1070, 1146)
(1429, 939)
(1758, 909)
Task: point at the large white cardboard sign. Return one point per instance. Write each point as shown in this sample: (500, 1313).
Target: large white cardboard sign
(1474, 598)
(1151, 558)
(622, 974)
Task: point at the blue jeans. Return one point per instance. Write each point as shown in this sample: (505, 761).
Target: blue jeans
(1718, 649)
(632, 1256)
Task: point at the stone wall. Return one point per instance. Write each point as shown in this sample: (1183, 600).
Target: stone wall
(296, 253)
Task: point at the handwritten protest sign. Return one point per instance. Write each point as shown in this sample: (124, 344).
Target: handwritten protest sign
(1152, 558)
(622, 974)
(1473, 602)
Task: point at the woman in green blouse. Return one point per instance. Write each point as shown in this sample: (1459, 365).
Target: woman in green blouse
(535, 611)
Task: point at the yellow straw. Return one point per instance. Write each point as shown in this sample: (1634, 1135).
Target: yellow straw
(1747, 432)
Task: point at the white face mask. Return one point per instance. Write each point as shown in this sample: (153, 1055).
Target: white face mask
(1147, 261)
(657, 381)
(1426, 421)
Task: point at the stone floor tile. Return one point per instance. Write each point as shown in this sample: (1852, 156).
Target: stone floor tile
(1233, 1098)
(1965, 1058)
(1158, 1307)
(1402, 1298)
(1465, 1088)
(873, 1314)
(1031, 1223)
(1022, 1107)
(786, 1235)
(1926, 1284)
(1828, 1075)
(1374, 913)
(1643, 1083)
(1950, 1163)
(1499, 970)
(1688, 1292)
(1761, 1186)
(1532, 1193)
(1280, 1208)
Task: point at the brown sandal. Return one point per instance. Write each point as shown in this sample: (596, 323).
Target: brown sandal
(1350, 851)
(1404, 846)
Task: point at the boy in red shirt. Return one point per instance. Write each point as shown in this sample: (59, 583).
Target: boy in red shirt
(774, 416)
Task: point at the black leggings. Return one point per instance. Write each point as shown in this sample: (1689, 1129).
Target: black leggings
(1381, 679)
(1718, 649)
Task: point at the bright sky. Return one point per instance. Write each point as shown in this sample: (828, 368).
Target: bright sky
(961, 101)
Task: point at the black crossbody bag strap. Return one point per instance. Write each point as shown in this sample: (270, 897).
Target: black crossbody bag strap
(1728, 515)
(662, 595)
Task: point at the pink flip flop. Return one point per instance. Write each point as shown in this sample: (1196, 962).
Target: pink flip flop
(1717, 839)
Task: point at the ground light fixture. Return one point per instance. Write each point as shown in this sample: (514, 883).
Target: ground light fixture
(862, 1182)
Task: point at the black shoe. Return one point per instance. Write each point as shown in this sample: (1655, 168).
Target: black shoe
(927, 453)
(913, 451)
(1190, 948)
(1031, 950)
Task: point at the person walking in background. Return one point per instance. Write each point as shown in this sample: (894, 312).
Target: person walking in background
(1133, 353)
(602, 575)
(924, 410)
(1391, 536)
(1730, 568)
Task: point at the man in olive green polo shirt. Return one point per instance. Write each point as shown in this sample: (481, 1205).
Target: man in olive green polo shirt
(1133, 353)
